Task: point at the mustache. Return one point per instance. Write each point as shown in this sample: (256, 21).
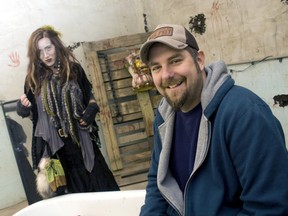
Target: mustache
(172, 81)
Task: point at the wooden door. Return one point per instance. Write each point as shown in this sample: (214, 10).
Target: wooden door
(126, 116)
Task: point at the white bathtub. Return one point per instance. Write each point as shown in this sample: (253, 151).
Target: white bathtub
(118, 203)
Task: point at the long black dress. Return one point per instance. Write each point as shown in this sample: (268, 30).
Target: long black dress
(78, 178)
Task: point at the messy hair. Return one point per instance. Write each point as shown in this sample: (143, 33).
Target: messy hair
(36, 70)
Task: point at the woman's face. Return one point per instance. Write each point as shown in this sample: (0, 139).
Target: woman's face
(47, 52)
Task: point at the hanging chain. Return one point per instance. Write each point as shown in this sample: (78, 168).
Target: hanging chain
(118, 116)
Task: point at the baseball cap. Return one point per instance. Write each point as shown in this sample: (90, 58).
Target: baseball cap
(175, 36)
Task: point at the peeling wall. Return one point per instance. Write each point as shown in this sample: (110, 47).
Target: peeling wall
(236, 31)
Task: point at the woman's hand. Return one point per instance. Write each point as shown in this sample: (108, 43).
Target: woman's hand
(24, 100)
(24, 106)
(82, 122)
(89, 114)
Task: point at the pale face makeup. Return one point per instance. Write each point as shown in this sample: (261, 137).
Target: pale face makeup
(47, 52)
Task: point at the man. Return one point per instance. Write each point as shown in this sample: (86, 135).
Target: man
(218, 149)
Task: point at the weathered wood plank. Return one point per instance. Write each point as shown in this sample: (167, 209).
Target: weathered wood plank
(132, 180)
(123, 92)
(134, 186)
(122, 41)
(119, 55)
(116, 75)
(129, 117)
(147, 111)
(115, 65)
(131, 137)
(136, 148)
(129, 127)
(132, 173)
(127, 107)
(105, 113)
(133, 106)
(123, 83)
(135, 111)
(143, 156)
(134, 168)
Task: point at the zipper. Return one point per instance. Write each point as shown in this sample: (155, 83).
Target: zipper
(206, 151)
(174, 207)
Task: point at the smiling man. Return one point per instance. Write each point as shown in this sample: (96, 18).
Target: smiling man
(218, 149)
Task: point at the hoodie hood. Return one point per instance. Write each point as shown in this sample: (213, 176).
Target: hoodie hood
(213, 91)
(216, 75)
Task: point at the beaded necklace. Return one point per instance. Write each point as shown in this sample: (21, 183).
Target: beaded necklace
(63, 104)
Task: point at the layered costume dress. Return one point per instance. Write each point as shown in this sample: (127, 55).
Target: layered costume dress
(56, 112)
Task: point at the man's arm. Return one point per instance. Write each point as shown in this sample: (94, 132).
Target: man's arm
(258, 150)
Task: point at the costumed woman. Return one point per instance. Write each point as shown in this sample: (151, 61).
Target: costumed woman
(58, 97)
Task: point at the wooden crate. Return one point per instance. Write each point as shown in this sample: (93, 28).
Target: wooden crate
(126, 116)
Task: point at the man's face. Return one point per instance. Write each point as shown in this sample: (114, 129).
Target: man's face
(47, 52)
(176, 76)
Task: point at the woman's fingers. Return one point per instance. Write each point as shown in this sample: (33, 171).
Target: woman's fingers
(82, 122)
(24, 100)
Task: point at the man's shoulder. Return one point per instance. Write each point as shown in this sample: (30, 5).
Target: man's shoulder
(240, 94)
(240, 99)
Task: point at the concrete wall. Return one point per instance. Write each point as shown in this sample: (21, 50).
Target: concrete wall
(234, 31)
(239, 32)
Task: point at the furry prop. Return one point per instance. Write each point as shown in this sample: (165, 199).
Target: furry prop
(42, 184)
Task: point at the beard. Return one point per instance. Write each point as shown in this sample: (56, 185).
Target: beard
(178, 103)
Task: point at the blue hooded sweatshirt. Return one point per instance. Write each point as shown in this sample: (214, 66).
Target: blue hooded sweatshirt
(241, 162)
